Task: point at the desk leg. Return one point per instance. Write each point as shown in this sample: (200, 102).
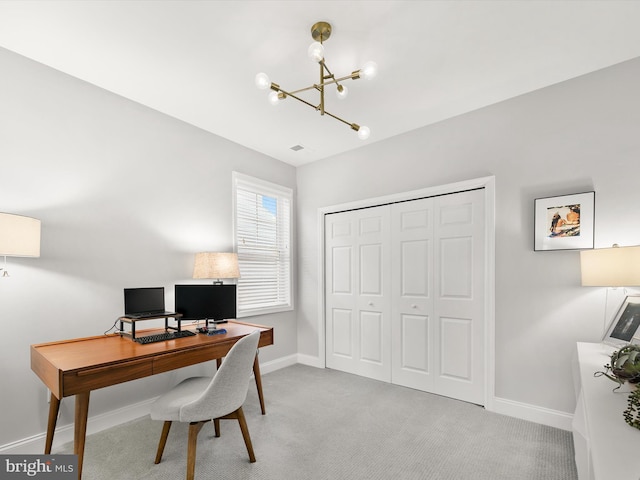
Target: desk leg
(80, 428)
(54, 408)
(256, 374)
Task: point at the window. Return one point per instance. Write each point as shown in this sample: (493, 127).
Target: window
(262, 231)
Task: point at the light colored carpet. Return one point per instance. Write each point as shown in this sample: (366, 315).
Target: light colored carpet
(327, 425)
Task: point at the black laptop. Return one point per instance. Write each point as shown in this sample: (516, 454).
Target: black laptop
(140, 303)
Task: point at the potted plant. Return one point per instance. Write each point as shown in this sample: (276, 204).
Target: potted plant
(625, 365)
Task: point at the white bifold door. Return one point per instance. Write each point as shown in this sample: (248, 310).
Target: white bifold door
(404, 293)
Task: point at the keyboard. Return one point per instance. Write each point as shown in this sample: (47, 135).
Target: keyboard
(161, 337)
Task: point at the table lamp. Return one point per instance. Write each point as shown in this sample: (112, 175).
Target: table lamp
(216, 266)
(610, 267)
(19, 237)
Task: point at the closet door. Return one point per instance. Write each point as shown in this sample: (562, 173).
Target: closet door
(358, 295)
(413, 329)
(459, 280)
(405, 294)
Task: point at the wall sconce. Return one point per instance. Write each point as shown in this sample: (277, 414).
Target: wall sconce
(216, 266)
(610, 267)
(19, 237)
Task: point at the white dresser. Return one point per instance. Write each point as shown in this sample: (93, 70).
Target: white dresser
(606, 447)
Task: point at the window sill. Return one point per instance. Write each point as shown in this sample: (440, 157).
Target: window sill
(264, 311)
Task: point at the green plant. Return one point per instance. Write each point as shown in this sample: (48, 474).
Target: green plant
(625, 365)
(632, 413)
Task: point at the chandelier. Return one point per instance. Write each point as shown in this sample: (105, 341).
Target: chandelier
(320, 32)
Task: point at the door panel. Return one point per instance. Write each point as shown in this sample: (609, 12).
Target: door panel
(371, 269)
(414, 336)
(456, 267)
(342, 270)
(341, 327)
(456, 348)
(371, 337)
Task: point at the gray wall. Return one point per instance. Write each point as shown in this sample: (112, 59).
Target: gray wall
(573, 137)
(126, 196)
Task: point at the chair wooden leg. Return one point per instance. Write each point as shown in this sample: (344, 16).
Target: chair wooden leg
(194, 429)
(163, 440)
(216, 426)
(245, 434)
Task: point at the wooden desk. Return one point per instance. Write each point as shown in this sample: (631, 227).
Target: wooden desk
(77, 366)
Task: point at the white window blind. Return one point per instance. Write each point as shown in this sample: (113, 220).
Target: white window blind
(262, 238)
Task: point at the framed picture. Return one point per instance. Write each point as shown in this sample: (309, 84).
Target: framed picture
(565, 222)
(624, 327)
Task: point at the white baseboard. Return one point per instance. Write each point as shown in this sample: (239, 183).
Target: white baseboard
(277, 364)
(533, 413)
(310, 361)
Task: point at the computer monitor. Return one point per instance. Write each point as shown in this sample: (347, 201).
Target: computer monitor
(143, 300)
(214, 303)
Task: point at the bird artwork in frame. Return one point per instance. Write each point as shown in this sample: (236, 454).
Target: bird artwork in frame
(564, 222)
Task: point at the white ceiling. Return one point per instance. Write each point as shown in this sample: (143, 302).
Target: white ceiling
(196, 60)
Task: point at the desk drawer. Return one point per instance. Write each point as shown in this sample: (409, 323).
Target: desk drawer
(99, 377)
(171, 361)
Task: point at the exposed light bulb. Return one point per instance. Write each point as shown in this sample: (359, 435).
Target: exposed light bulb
(274, 98)
(363, 133)
(342, 92)
(316, 52)
(369, 70)
(262, 81)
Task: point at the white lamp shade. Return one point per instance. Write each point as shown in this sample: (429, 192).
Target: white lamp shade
(216, 265)
(611, 267)
(19, 236)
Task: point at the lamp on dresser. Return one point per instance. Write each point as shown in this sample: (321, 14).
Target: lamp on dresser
(610, 267)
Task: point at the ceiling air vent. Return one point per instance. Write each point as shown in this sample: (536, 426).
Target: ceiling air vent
(297, 148)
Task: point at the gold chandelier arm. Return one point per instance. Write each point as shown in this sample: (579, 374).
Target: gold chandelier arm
(317, 87)
(317, 108)
(354, 76)
(292, 95)
(339, 119)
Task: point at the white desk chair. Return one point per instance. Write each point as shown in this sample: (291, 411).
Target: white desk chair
(198, 400)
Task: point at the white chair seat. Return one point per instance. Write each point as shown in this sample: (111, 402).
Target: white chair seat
(168, 406)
